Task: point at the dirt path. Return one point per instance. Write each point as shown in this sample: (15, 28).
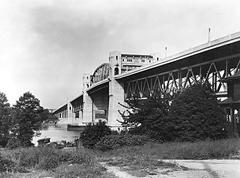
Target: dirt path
(214, 168)
(116, 171)
(197, 169)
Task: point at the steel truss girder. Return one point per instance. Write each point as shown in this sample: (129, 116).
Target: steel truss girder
(212, 72)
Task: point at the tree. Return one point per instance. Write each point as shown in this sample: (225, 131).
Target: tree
(4, 119)
(26, 119)
(48, 118)
(196, 115)
(190, 115)
(149, 116)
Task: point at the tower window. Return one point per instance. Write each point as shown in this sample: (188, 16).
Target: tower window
(116, 71)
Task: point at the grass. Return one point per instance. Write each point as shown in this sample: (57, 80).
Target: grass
(137, 160)
(43, 162)
(147, 158)
(220, 149)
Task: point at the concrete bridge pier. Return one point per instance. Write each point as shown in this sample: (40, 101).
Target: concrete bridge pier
(116, 92)
(87, 100)
(116, 96)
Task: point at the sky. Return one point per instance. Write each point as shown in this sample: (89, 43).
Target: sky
(47, 45)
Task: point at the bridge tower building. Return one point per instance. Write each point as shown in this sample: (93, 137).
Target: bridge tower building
(116, 90)
(87, 100)
(115, 61)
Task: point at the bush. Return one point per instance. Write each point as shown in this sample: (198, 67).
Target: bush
(115, 141)
(196, 115)
(5, 164)
(48, 162)
(13, 143)
(149, 117)
(29, 157)
(190, 115)
(93, 133)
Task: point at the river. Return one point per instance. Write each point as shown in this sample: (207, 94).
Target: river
(57, 133)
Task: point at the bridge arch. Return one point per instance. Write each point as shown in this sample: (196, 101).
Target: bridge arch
(101, 73)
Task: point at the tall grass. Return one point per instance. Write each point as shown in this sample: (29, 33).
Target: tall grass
(49, 158)
(53, 162)
(219, 149)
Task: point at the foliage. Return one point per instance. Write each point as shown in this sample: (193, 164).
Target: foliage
(4, 119)
(5, 164)
(47, 118)
(27, 118)
(115, 141)
(48, 163)
(13, 143)
(93, 133)
(196, 115)
(190, 115)
(49, 158)
(76, 170)
(149, 116)
(218, 149)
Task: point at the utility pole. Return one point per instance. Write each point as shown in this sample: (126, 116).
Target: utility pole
(165, 51)
(209, 33)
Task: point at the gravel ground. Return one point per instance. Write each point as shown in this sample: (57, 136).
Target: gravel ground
(208, 168)
(197, 169)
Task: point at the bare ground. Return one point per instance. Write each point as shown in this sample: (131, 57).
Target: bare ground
(187, 169)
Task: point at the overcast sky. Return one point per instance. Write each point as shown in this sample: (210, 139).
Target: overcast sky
(47, 45)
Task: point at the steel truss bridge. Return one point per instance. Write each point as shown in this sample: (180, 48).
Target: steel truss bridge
(210, 62)
(204, 65)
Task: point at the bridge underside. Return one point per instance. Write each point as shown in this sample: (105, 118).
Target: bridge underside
(210, 66)
(100, 103)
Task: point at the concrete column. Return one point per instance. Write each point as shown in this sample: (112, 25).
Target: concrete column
(116, 96)
(87, 108)
(234, 122)
(70, 114)
(116, 91)
(87, 100)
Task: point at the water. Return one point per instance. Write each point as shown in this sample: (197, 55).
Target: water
(57, 133)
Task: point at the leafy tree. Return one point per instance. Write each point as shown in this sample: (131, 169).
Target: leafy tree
(190, 115)
(27, 118)
(196, 115)
(149, 116)
(48, 118)
(4, 119)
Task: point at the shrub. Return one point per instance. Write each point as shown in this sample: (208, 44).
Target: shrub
(115, 141)
(149, 117)
(80, 157)
(48, 162)
(190, 115)
(5, 164)
(196, 115)
(13, 143)
(93, 133)
(29, 157)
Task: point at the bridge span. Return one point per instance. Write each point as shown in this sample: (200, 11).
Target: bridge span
(128, 75)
